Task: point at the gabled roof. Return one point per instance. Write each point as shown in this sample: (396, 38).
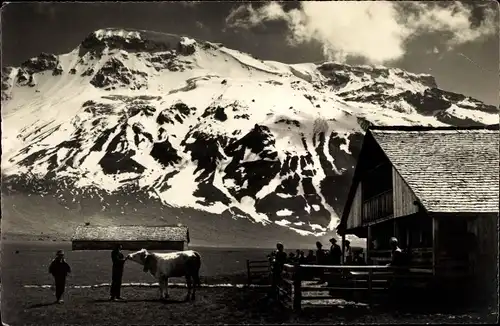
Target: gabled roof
(449, 169)
(131, 233)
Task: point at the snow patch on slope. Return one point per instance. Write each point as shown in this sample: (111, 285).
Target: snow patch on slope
(206, 89)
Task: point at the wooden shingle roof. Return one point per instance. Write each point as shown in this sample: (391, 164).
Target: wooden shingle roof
(131, 233)
(449, 170)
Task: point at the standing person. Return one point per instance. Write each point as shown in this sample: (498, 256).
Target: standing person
(280, 259)
(335, 252)
(348, 252)
(321, 259)
(59, 269)
(320, 254)
(310, 258)
(357, 260)
(270, 257)
(398, 261)
(396, 253)
(302, 258)
(117, 273)
(335, 258)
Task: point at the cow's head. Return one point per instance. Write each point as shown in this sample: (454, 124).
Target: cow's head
(139, 257)
(144, 258)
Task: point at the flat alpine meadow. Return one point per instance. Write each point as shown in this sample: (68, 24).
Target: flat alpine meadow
(27, 296)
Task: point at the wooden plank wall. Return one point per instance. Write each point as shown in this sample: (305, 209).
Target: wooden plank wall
(355, 214)
(403, 196)
(485, 264)
(378, 208)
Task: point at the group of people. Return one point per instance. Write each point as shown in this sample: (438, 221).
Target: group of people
(333, 256)
(60, 269)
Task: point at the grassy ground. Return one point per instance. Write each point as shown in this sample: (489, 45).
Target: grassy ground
(212, 306)
(26, 263)
(32, 259)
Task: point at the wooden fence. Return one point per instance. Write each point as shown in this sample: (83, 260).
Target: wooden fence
(296, 287)
(258, 270)
(421, 258)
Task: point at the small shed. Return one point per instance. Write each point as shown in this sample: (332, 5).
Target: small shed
(131, 237)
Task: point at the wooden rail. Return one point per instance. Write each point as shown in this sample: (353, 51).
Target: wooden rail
(294, 288)
(257, 270)
(378, 206)
(420, 257)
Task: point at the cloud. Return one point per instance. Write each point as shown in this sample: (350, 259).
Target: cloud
(245, 16)
(454, 19)
(375, 30)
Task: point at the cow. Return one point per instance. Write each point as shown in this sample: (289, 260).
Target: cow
(173, 264)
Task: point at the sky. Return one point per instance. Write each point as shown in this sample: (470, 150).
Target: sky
(456, 42)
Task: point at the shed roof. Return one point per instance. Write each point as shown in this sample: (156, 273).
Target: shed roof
(131, 233)
(450, 170)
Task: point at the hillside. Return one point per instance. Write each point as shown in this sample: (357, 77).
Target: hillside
(186, 125)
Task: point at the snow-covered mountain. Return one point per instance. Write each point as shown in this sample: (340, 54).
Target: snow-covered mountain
(195, 124)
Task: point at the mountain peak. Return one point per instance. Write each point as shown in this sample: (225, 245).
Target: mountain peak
(378, 72)
(192, 124)
(134, 40)
(107, 33)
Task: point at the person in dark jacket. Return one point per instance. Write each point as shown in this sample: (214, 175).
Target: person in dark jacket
(280, 259)
(334, 258)
(59, 269)
(311, 258)
(321, 259)
(348, 255)
(116, 277)
(398, 260)
(358, 259)
(335, 253)
(296, 256)
(320, 254)
(397, 255)
(302, 258)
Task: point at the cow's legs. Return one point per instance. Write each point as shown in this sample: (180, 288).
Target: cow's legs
(189, 288)
(194, 285)
(166, 288)
(161, 282)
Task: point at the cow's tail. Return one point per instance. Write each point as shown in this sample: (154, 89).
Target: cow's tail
(196, 276)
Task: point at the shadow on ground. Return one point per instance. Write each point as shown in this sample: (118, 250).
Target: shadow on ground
(41, 305)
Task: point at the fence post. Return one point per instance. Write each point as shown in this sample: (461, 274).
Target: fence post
(370, 290)
(297, 288)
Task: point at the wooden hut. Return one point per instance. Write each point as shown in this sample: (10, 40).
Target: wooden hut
(436, 190)
(131, 237)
